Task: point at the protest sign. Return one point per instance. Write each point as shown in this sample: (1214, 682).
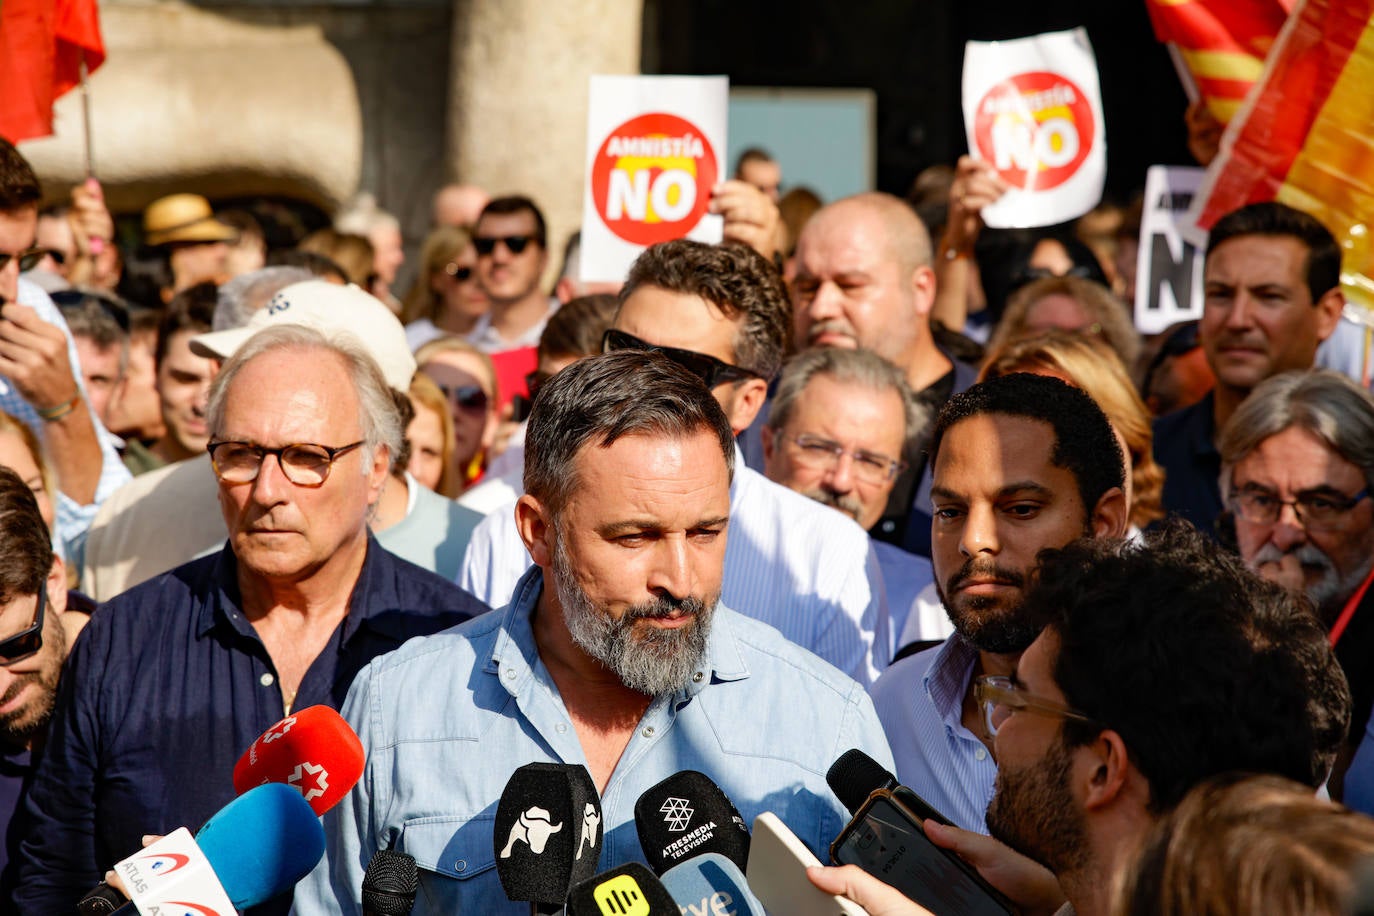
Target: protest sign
(654, 148)
(1032, 108)
(1168, 284)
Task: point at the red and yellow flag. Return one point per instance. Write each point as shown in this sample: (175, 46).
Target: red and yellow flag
(1307, 138)
(1223, 43)
(42, 43)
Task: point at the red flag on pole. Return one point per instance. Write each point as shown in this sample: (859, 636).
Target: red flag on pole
(42, 44)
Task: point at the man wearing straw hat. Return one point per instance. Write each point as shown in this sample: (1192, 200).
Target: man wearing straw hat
(196, 244)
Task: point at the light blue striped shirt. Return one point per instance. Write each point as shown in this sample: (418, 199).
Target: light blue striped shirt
(920, 702)
(73, 519)
(790, 562)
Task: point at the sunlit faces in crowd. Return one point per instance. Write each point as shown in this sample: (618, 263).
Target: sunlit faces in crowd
(18, 230)
(1259, 318)
(430, 434)
(510, 255)
(468, 382)
(183, 387)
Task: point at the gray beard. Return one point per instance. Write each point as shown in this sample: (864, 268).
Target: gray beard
(648, 660)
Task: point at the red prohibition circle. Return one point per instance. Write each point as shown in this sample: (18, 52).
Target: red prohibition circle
(652, 178)
(1036, 129)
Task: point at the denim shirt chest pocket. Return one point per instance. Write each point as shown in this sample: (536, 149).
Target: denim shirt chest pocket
(448, 850)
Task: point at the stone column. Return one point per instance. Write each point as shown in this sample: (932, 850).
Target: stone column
(518, 96)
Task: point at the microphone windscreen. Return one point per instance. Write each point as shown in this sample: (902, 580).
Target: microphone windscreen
(313, 750)
(711, 883)
(686, 815)
(389, 884)
(262, 843)
(630, 890)
(548, 831)
(854, 776)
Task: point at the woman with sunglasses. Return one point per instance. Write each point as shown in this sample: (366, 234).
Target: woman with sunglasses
(445, 298)
(467, 379)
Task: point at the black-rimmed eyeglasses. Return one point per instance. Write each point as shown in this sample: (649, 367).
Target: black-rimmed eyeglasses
(304, 463)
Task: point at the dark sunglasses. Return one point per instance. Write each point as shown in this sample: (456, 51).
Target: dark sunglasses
(468, 397)
(461, 274)
(22, 645)
(514, 243)
(707, 368)
(28, 259)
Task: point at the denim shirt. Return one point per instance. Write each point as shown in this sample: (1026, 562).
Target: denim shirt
(446, 720)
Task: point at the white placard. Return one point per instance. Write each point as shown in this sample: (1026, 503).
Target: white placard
(172, 877)
(1168, 279)
(655, 149)
(1032, 107)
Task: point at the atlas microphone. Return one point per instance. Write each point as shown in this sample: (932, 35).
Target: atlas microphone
(253, 849)
(548, 834)
(314, 751)
(389, 884)
(695, 839)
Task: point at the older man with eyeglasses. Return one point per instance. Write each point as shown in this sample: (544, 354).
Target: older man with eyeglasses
(176, 677)
(1297, 461)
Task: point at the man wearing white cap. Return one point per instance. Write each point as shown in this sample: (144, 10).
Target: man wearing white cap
(410, 521)
(173, 679)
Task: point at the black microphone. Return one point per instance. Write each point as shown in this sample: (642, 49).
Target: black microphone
(687, 815)
(389, 884)
(855, 776)
(548, 832)
(631, 888)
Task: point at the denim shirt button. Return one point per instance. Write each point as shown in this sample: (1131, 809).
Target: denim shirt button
(696, 678)
(267, 679)
(648, 731)
(561, 728)
(508, 674)
(460, 865)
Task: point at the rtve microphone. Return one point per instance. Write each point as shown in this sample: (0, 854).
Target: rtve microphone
(629, 889)
(686, 815)
(256, 847)
(711, 883)
(313, 750)
(389, 884)
(548, 832)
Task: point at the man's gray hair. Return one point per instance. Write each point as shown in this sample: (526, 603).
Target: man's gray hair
(1325, 403)
(245, 294)
(863, 368)
(378, 417)
(597, 400)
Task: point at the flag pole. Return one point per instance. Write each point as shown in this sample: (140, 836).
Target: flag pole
(86, 118)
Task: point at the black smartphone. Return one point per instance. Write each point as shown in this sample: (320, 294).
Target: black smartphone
(520, 408)
(885, 839)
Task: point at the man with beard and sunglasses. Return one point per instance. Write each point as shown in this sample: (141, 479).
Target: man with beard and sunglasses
(721, 312)
(1021, 463)
(615, 652)
(33, 646)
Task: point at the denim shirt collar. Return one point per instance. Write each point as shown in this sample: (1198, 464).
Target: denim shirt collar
(374, 587)
(514, 658)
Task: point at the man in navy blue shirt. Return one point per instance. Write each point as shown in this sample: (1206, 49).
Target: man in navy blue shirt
(175, 678)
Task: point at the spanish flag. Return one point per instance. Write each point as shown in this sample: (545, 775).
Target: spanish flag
(42, 46)
(1306, 135)
(1222, 44)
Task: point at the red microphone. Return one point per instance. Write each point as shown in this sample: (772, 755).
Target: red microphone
(313, 750)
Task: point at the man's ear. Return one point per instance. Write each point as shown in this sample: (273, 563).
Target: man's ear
(1329, 308)
(1111, 516)
(377, 475)
(1104, 768)
(532, 521)
(748, 401)
(57, 586)
(923, 290)
(769, 443)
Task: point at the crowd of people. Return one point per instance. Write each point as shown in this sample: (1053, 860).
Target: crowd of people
(866, 474)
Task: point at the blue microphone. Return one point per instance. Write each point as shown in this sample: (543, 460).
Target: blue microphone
(711, 883)
(262, 843)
